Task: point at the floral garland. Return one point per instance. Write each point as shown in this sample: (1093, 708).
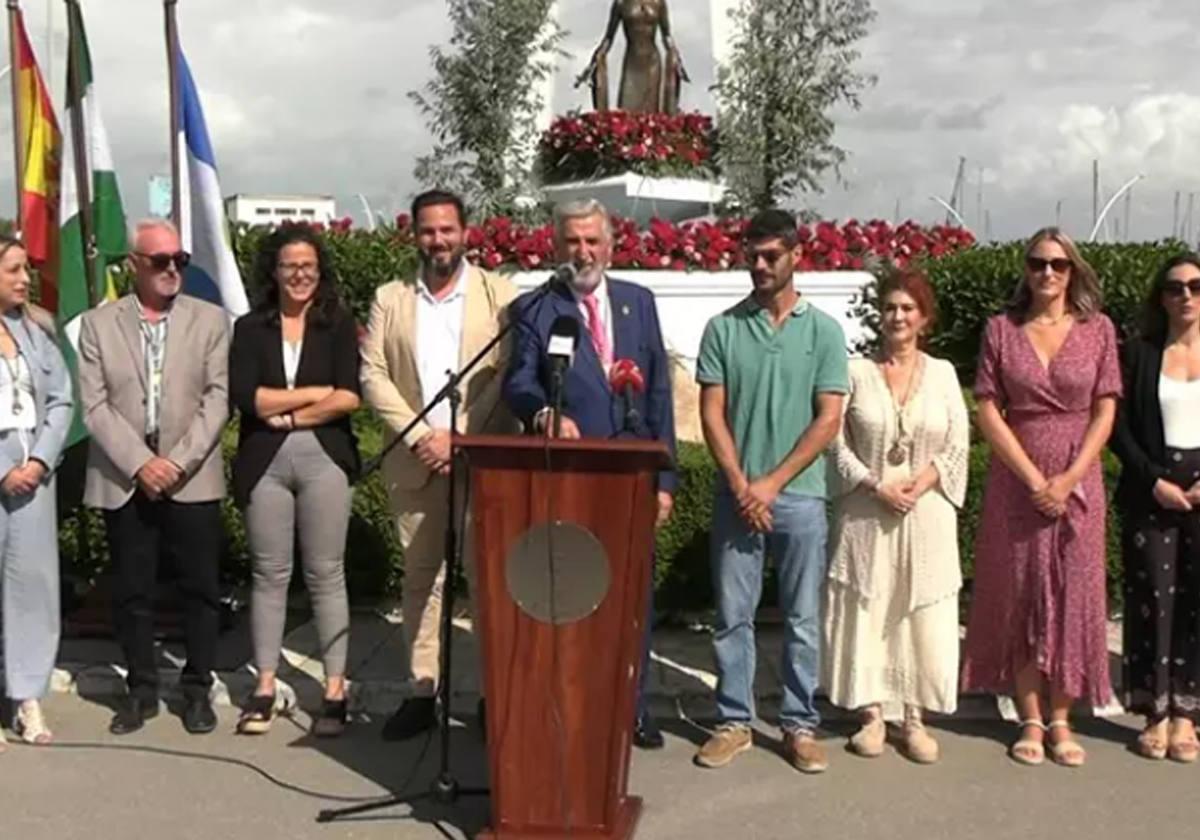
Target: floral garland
(583, 146)
(714, 245)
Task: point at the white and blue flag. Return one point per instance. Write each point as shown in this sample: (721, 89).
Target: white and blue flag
(213, 274)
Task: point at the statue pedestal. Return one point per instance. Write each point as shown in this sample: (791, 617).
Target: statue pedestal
(640, 198)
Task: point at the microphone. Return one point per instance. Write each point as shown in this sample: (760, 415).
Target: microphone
(563, 276)
(560, 349)
(626, 379)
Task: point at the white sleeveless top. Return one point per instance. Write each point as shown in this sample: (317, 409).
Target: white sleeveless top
(1180, 403)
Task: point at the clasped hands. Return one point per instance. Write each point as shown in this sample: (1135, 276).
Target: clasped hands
(1050, 496)
(22, 480)
(755, 500)
(902, 496)
(159, 477)
(1171, 496)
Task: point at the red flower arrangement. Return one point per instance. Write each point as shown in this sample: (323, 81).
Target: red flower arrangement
(714, 246)
(582, 146)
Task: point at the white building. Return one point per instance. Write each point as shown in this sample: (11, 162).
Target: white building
(276, 209)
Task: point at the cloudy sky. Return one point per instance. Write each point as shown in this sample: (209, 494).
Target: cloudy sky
(309, 96)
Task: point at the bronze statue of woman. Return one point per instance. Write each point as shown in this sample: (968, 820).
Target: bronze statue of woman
(644, 87)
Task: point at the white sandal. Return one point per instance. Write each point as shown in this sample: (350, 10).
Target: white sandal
(1028, 751)
(3, 740)
(1066, 753)
(30, 724)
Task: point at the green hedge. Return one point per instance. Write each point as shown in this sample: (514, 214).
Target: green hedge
(970, 287)
(973, 285)
(363, 260)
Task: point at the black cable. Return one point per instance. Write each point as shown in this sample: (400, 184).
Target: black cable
(223, 759)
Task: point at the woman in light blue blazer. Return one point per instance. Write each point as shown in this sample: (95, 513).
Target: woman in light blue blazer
(35, 416)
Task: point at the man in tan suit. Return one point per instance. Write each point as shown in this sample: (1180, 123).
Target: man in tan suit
(153, 372)
(419, 330)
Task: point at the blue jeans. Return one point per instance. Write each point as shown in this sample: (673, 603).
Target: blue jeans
(797, 545)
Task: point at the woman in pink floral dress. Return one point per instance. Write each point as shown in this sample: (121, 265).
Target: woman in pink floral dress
(1048, 384)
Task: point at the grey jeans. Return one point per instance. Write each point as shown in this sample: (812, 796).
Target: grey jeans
(29, 578)
(302, 492)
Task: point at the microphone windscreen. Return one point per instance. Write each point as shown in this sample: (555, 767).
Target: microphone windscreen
(564, 336)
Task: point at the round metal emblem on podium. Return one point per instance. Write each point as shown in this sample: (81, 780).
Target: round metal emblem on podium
(558, 573)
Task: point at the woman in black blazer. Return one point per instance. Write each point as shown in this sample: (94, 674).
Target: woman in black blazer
(1157, 438)
(293, 376)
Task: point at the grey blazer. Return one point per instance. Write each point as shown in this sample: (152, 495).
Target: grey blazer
(51, 392)
(195, 399)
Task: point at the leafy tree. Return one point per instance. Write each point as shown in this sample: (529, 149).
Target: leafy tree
(791, 62)
(483, 101)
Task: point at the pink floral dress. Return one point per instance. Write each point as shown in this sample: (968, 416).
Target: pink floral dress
(1039, 589)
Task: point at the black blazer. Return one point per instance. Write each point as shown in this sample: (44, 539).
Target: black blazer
(329, 357)
(1138, 439)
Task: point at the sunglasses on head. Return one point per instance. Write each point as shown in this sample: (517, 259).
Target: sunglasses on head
(1176, 288)
(1061, 265)
(161, 262)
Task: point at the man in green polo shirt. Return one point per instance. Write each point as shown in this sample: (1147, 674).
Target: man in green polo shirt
(773, 374)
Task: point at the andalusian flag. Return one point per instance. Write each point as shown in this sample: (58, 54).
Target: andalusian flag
(107, 216)
(42, 143)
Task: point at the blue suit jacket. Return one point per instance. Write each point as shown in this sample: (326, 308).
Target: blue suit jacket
(587, 397)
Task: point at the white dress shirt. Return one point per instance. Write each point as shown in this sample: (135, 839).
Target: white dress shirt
(439, 342)
(605, 308)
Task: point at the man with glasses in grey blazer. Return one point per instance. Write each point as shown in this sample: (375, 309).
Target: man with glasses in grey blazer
(153, 384)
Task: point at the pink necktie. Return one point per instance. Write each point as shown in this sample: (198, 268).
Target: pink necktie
(599, 334)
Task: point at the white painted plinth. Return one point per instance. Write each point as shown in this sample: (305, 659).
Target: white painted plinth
(687, 300)
(641, 199)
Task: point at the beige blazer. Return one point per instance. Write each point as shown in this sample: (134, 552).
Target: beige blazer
(392, 386)
(195, 399)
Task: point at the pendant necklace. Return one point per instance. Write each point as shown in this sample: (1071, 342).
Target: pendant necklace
(898, 453)
(14, 372)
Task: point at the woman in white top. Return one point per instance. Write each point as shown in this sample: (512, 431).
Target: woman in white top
(35, 414)
(891, 618)
(1157, 438)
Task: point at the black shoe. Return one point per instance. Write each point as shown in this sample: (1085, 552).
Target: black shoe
(646, 734)
(415, 715)
(198, 716)
(481, 716)
(132, 714)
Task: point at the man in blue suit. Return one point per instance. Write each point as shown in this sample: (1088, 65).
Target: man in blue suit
(617, 322)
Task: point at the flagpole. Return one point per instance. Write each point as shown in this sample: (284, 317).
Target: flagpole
(173, 82)
(14, 14)
(83, 178)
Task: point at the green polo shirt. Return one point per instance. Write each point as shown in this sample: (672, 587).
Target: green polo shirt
(772, 377)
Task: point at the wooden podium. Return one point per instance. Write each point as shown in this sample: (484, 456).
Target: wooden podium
(573, 518)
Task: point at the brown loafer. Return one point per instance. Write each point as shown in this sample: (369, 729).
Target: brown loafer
(803, 751)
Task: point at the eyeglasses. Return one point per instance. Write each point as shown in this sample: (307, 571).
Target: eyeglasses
(161, 262)
(1037, 265)
(289, 269)
(1176, 288)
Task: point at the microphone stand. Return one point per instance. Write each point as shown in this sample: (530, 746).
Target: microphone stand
(445, 788)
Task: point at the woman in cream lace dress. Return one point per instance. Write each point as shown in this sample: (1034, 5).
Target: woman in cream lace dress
(891, 619)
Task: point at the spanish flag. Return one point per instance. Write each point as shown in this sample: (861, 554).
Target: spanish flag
(42, 143)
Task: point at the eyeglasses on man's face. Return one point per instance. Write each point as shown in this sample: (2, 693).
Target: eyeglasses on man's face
(162, 261)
